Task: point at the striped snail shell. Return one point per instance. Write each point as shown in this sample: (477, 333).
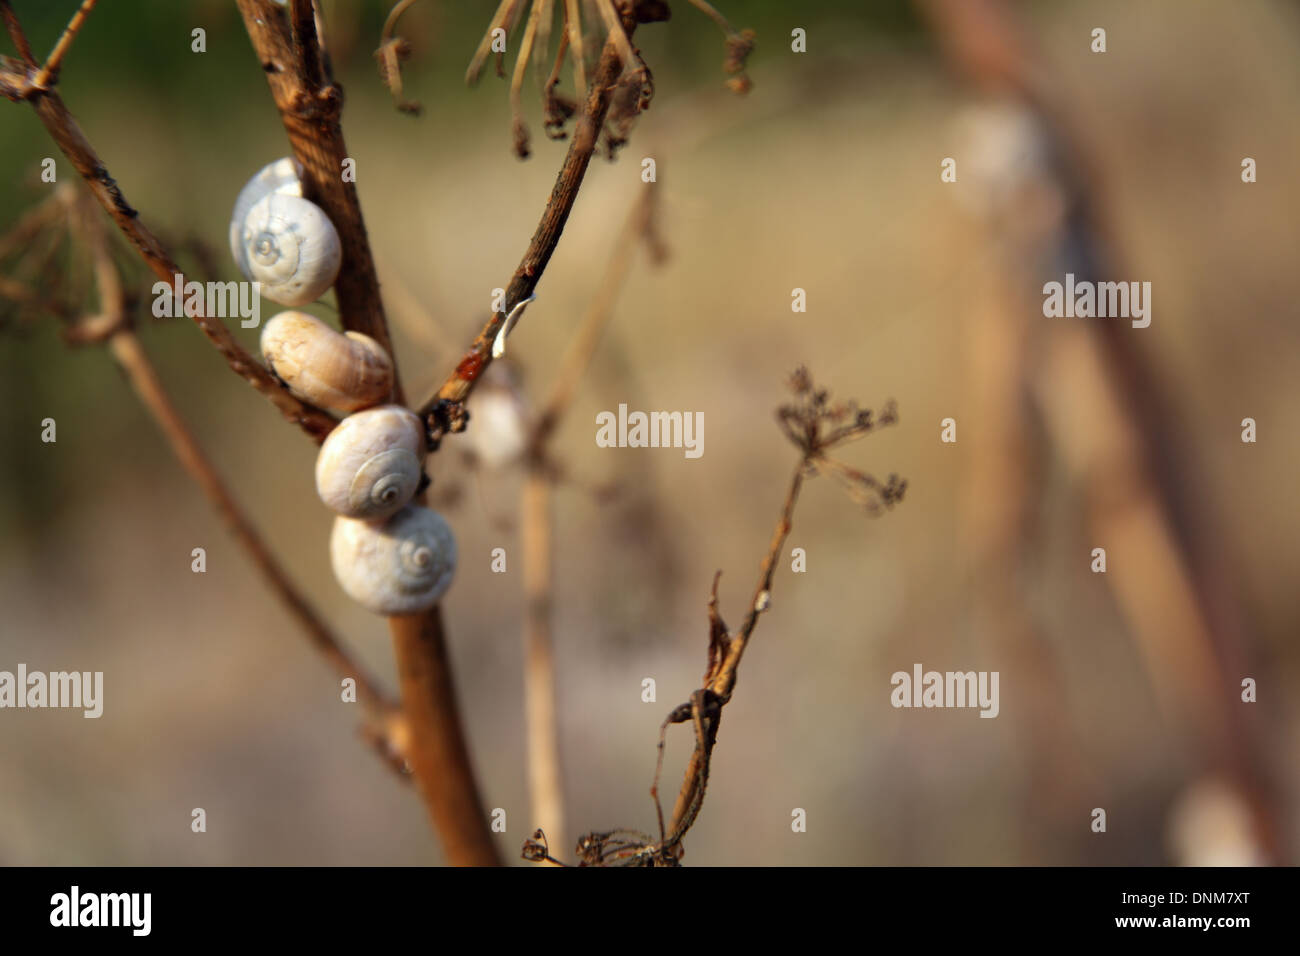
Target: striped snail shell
(399, 566)
(370, 466)
(339, 371)
(281, 240)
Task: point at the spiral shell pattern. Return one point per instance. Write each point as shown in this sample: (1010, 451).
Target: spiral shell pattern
(399, 566)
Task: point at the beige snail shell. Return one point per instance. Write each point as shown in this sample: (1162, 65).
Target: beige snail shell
(371, 464)
(339, 371)
(283, 241)
(399, 566)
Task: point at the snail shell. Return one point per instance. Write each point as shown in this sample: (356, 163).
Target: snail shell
(500, 432)
(282, 240)
(284, 177)
(371, 464)
(340, 371)
(399, 566)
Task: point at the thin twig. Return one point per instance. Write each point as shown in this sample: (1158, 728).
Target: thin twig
(67, 135)
(583, 345)
(51, 68)
(16, 33)
(616, 35)
(395, 14)
(457, 387)
(148, 386)
(390, 54)
(500, 21)
(577, 52)
(815, 425)
(518, 126)
(545, 777)
(723, 681)
(543, 42)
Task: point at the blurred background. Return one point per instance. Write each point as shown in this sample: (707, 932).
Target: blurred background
(1118, 691)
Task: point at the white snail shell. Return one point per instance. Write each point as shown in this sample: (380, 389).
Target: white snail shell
(500, 432)
(339, 371)
(282, 240)
(399, 566)
(284, 176)
(370, 465)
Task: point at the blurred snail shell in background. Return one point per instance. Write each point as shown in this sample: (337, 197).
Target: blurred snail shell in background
(500, 432)
(372, 463)
(281, 240)
(399, 566)
(338, 371)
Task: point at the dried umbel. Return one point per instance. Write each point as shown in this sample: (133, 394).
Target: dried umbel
(283, 241)
(399, 566)
(339, 371)
(371, 464)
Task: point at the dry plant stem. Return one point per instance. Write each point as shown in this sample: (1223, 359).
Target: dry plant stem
(520, 128)
(310, 109)
(310, 113)
(562, 47)
(544, 765)
(438, 754)
(1188, 625)
(545, 16)
(547, 237)
(51, 68)
(392, 50)
(616, 35)
(395, 14)
(583, 346)
(72, 142)
(17, 292)
(307, 44)
(723, 681)
(148, 386)
(573, 26)
(545, 776)
(999, 508)
(29, 225)
(378, 730)
(16, 33)
(714, 15)
(500, 20)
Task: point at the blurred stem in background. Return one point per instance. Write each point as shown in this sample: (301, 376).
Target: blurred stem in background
(1109, 418)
